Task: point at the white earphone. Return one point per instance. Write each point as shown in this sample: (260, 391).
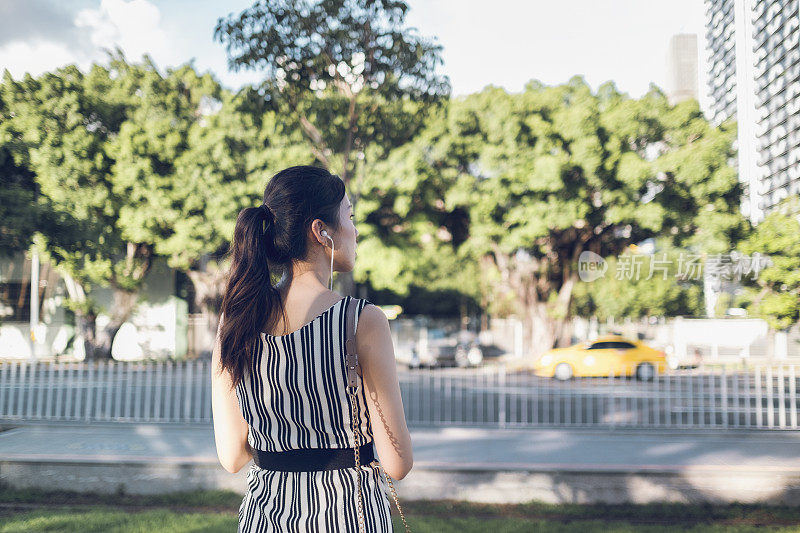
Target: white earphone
(330, 280)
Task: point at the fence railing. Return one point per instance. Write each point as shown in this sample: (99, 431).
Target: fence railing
(761, 397)
(722, 398)
(111, 391)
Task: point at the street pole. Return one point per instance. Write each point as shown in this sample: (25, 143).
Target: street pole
(34, 301)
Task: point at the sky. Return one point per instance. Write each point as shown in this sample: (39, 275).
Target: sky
(504, 43)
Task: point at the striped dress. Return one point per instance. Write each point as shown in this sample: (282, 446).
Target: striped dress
(297, 398)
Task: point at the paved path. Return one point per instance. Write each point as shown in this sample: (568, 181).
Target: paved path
(452, 447)
(465, 463)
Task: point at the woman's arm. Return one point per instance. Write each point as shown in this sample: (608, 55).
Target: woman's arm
(230, 427)
(378, 367)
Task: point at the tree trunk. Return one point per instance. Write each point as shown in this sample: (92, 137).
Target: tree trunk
(122, 306)
(84, 320)
(562, 324)
(209, 289)
(541, 333)
(549, 322)
(137, 263)
(531, 280)
(564, 335)
(84, 333)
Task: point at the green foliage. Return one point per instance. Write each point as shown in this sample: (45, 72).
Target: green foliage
(20, 212)
(128, 163)
(308, 45)
(59, 128)
(774, 294)
(349, 73)
(231, 152)
(548, 173)
(642, 285)
(493, 195)
(407, 219)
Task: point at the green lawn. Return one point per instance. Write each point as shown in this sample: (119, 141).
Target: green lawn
(215, 511)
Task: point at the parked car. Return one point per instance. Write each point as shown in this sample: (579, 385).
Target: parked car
(439, 349)
(609, 354)
(406, 354)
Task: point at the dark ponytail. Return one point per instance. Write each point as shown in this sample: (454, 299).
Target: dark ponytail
(266, 241)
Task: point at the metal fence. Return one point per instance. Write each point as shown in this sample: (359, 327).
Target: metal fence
(762, 397)
(109, 391)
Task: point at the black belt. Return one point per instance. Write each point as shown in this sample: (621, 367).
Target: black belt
(311, 459)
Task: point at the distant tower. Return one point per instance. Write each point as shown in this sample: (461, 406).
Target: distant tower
(754, 78)
(682, 68)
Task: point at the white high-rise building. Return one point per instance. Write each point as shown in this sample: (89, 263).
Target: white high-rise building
(682, 68)
(754, 78)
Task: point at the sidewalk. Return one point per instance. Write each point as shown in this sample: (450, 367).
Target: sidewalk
(491, 465)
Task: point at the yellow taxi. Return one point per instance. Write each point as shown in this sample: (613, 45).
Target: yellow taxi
(603, 356)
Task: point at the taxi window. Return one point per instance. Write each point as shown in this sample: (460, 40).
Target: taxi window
(600, 346)
(623, 345)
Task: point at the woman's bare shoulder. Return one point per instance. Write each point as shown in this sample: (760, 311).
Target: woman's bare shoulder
(372, 323)
(373, 315)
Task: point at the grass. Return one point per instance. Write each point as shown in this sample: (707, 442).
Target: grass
(216, 511)
(106, 520)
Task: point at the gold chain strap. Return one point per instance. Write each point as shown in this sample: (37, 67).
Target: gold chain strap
(357, 441)
(394, 495)
(351, 390)
(357, 444)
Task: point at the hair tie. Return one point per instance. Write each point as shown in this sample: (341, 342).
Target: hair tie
(268, 215)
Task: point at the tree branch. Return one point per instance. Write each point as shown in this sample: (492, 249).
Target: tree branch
(319, 147)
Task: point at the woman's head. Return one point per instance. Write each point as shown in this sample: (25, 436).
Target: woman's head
(305, 201)
(269, 241)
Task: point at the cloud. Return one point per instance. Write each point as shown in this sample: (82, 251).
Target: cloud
(39, 35)
(132, 25)
(29, 20)
(35, 58)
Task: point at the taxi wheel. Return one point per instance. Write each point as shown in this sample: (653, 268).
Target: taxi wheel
(562, 372)
(645, 372)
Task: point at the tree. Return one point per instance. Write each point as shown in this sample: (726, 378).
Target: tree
(773, 288)
(638, 285)
(20, 213)
(554, 171)
(134, 165)
(234, 147)
(115, 153)
(412, 241)
(60, 129)
(349, 73)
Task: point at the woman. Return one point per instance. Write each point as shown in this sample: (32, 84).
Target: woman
(279, 384)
